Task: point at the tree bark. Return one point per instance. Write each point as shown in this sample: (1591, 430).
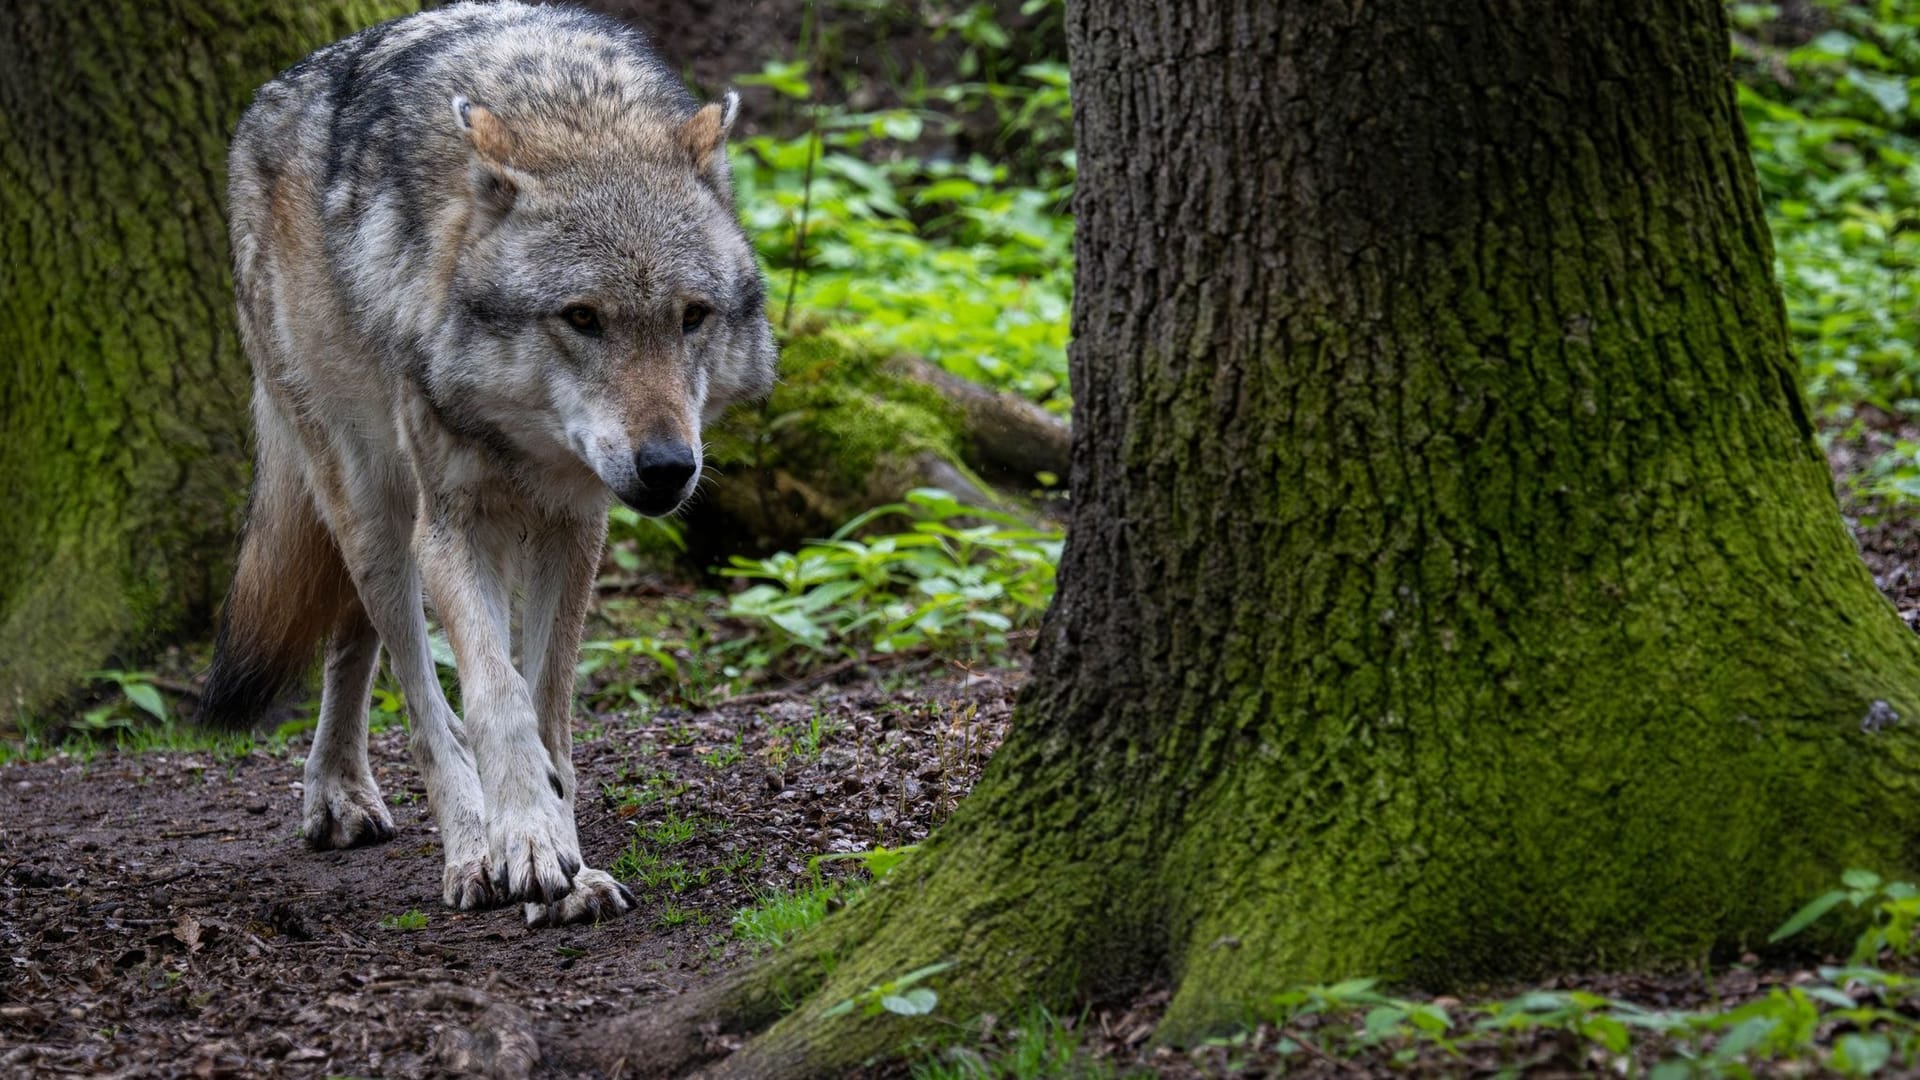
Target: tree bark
(124, 395)
(1453, 589)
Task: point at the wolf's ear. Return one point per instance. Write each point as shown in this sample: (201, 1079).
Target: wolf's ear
(496, 183)
(704, 137)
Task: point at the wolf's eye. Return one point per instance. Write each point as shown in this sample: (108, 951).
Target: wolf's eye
(583, 318)
(691, 318)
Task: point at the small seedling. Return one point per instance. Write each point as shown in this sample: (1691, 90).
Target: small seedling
(898, 996)
(406, 920)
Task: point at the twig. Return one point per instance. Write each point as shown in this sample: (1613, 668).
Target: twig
(806, 183)
(174, 686)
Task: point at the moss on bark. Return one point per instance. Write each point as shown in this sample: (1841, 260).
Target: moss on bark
(1453, 589)
(124, 395)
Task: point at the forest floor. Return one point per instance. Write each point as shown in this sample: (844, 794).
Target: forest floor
(162, 917)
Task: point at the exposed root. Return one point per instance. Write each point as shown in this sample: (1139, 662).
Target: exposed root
(498, 1043)
(682, 1034)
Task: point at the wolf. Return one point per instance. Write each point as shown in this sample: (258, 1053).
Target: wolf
(489, 273)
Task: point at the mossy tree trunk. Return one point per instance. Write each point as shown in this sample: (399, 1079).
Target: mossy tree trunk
(1453, 589)
(123, 399)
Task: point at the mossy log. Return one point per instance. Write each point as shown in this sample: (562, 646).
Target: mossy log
(850, 427)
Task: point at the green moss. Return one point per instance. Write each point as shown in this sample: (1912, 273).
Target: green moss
(838, 412)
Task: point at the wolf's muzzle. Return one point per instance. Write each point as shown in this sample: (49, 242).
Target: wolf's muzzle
(663, 471)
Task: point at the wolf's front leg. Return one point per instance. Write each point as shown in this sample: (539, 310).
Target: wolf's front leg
(562, 555)
(532, 849)
(373, 533)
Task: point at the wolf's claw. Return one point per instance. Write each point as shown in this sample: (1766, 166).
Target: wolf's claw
(596, 896)
(345, 814)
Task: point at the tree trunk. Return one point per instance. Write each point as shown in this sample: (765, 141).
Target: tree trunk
(1453, 588)
(124, 396)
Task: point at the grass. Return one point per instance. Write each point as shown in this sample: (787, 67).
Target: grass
(777, 917)
(1036, 1046)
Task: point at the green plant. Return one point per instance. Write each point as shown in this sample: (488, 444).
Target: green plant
(1892, 907)
(902, 996)
(406, 920)
(947, 260)
(673, 830)
(1835, 135)
(878, 862)
(720, 757)
(945, 580)
(136, 690)
(1036, 1046)
(775, 918)
(1853, 1020)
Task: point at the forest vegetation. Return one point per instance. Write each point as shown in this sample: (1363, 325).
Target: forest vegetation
(1118, 757)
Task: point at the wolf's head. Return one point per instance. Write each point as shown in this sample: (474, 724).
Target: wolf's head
(608, 300)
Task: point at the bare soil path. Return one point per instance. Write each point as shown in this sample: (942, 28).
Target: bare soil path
(162, 917)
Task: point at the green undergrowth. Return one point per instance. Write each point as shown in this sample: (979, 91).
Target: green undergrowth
(1857, 1018)
(928, 574)
(1832, 107)
(956, 574)
(780, 915)
(1037, 1045)
(1853, 1019)
(966, 261)
(132, 716)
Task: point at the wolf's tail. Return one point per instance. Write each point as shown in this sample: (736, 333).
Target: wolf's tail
(290, 587)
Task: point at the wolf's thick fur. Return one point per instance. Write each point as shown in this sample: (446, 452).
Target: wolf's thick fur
(488, 270)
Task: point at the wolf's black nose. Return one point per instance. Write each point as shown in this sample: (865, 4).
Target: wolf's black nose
(664, 467)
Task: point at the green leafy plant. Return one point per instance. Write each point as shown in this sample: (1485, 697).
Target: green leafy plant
(902, 996)
(1892, 907)
(959, 575)
(1865, 1011)
(137, 692)
(1835, 136)
(406, 920)
(776, 916)
(950, 260)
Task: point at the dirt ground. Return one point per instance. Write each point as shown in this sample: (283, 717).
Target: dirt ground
(161, 915)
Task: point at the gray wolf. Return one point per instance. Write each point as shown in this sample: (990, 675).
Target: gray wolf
(488, 271)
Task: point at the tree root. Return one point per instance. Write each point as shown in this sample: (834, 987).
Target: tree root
(497, 1044)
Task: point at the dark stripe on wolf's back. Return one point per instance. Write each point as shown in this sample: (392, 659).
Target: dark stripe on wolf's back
(390, 90)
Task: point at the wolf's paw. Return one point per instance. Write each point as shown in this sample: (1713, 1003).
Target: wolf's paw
(595, 897)
(533, 853)
(467, 886)
(344, 813)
